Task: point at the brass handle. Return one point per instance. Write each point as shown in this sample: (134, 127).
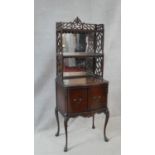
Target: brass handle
(74, 99)
(78, 100)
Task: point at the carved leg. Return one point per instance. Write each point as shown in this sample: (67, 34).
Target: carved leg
(93, 127)
(65, 125)
(57, 118)
(105, 124)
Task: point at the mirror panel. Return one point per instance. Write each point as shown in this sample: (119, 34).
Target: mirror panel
(77, 43)
(78, 66)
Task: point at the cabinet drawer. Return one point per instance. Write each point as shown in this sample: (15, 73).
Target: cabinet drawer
(77, 100)
(97, 97)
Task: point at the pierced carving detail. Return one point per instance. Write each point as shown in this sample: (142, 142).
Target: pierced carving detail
(98, 68)
(59, 55)
(99, 49)
(99, 42)
(77, 20)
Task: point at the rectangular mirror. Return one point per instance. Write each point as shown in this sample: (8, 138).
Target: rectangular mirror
(76, 44)
(78, 67)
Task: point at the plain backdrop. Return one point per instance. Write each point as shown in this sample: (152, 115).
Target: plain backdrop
(16, 85)
(47, 13)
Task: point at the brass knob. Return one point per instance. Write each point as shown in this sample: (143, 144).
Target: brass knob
(96, 97)
(74, 99)
(80, 99)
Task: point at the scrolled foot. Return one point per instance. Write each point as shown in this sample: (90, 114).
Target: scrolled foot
(93, 126)
(65, 149)
(57, 134)
(106, 139)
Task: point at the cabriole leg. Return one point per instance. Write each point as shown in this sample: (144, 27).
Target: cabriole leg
(57, 118)
(105, 124)
(93, 126)
(65, 125)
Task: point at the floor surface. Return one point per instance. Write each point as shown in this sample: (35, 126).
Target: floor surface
(82, 139)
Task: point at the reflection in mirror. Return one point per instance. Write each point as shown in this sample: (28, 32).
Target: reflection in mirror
(84, 68)
(74, 67)
(77, 43)
(74, 64)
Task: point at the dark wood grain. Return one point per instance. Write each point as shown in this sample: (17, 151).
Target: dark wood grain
(77, 100)
(97, 96)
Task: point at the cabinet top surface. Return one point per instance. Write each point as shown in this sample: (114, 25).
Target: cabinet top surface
(86, 81)
(81, 54)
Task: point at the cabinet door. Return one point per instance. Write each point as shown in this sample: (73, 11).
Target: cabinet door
(77, 100)
(97, 97)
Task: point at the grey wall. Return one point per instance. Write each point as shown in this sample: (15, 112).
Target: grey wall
(47, 13)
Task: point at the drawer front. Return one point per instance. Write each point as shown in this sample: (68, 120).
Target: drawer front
(97, 97)
(77, 100)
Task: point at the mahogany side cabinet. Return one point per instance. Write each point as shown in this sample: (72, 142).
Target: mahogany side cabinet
(80, 87)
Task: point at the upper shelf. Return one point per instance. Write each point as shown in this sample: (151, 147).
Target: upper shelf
(80, 54)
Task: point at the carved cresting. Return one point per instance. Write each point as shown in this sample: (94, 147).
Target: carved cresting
(77, 24)
(77, 20)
